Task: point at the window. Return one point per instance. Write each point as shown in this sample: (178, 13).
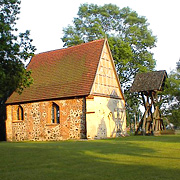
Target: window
(55, 114)
(20, 114)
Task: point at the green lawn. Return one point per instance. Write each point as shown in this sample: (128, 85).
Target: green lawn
(131, 158)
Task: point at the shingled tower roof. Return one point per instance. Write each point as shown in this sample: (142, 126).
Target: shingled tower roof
(150, 81)
(62, 73)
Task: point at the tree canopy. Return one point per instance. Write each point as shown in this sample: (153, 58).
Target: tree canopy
(128, 34)
(14, 50)
(171, 96)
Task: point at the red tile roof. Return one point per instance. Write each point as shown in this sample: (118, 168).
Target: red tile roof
(62, 73)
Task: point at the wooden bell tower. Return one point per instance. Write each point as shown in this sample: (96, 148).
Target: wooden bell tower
(148, 85)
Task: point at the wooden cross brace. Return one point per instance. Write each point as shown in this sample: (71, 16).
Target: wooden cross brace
(151, 120)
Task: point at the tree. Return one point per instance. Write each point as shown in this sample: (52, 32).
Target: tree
(171, 96)
(129, 38)
(14, 50)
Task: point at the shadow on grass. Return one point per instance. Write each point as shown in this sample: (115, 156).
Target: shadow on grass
(103, 160)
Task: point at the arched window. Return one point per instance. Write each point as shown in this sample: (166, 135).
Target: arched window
(20, 113)
(55, 114)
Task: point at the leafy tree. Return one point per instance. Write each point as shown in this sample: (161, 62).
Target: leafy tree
(129, 38)
(14, 49)
(171, 97)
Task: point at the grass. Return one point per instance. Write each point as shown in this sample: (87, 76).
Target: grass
(134, 157)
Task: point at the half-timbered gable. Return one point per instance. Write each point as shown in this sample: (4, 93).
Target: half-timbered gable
(105, 114)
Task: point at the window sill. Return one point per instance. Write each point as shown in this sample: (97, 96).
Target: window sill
(52, 124)
(17, 121)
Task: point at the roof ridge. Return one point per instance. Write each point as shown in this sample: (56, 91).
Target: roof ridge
(84, 43)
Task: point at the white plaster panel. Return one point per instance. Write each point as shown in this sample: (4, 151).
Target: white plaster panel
(108, 119)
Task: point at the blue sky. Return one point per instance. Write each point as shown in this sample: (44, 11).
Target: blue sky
(46, 19)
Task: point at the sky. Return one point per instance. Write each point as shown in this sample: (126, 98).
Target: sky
(46, 19)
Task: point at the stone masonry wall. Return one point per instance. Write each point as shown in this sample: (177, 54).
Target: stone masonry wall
(37, 126)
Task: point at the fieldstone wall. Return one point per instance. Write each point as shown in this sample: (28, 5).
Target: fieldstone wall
(37, 126)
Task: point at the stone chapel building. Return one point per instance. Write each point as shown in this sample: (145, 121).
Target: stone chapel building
(76, 94)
